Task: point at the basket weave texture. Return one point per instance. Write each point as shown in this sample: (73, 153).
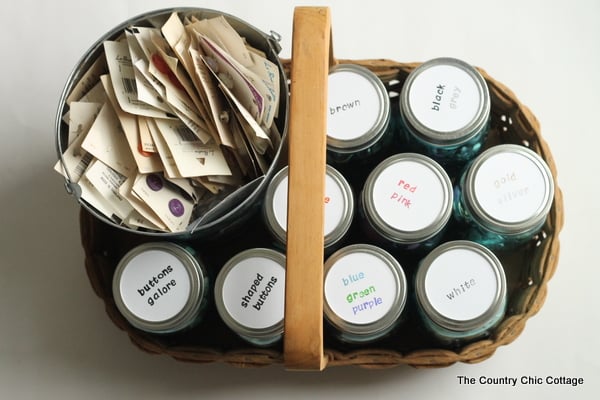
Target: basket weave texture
(528, 270)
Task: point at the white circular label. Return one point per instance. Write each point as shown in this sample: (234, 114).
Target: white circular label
(510, 187)
(409, 196)
(360, 288)
(461, 284)
(155, 285)
(334, 200)
(444, 98)
(353, 105)
(280, 203)
(254, 292)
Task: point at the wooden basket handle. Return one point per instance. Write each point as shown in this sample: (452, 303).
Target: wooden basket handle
(311, 57)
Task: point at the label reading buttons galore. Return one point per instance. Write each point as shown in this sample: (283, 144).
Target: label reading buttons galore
(155, 286)
(354, 105)
(360, 288)
(254, 292)
(444, 98)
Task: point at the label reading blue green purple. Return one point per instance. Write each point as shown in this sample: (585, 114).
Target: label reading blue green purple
(360, 288)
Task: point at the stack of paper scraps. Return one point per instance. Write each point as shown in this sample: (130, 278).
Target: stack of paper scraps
(168, 119)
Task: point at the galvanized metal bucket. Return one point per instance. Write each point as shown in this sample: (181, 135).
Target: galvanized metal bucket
(231, 210)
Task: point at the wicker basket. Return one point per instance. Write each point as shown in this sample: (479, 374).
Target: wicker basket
(528, 270)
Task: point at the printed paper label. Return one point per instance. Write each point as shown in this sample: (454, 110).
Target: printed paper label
(461, 284)
(81, 118)
(360, 288)
(106, 141)
(354, 105)
(155, 286)
(123, 80)
(165, 200)
(444, 98)
(409, 196)
(107, 182)
(334, 204)
(510, 187)
(192, 157)
(254, 292)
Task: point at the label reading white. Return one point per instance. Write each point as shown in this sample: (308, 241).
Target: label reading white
(409, 196)
(354, 105)
(510, 187)
(334, 204)
(254, 292)
(444, 98)
(461, 284)
(360, 288)
(155, 286)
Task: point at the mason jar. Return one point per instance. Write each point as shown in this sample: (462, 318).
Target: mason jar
(338, 203)
(250, 295)
(358, 115)
(364, 293)
(406, 202)
(503, 198)
(161, 287)
(445, 111)
(460, 288)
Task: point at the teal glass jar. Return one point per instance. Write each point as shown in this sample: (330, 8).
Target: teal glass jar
(445, 111)
(250, 295)
(460, 288)
(504, 196)
(406, 203)
(365, 293)
(358, 116)
(161, 287)
(338, 203)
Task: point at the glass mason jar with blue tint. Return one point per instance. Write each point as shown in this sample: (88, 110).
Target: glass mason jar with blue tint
(338, 203)
(364, 293)
(358, 116)
(406, 203)
(460, 288)
(504, 196)
(250, 295)
(161, 287)
(445, 111)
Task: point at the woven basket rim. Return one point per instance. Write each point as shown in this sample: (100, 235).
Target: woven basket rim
(546, 260)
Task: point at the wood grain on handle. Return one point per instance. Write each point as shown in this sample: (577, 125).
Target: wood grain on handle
(303, 343)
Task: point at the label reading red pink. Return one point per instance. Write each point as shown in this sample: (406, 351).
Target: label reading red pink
(409, 196)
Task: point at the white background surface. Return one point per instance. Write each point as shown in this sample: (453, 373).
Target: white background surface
(55, 339)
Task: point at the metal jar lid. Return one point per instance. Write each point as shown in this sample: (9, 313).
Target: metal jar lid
(509, 189)
(407, 198)
(358, 110)
(365, 291)
(339, 206)
(159, 287)
(461, 286)
(445, 101)
(250, 294)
